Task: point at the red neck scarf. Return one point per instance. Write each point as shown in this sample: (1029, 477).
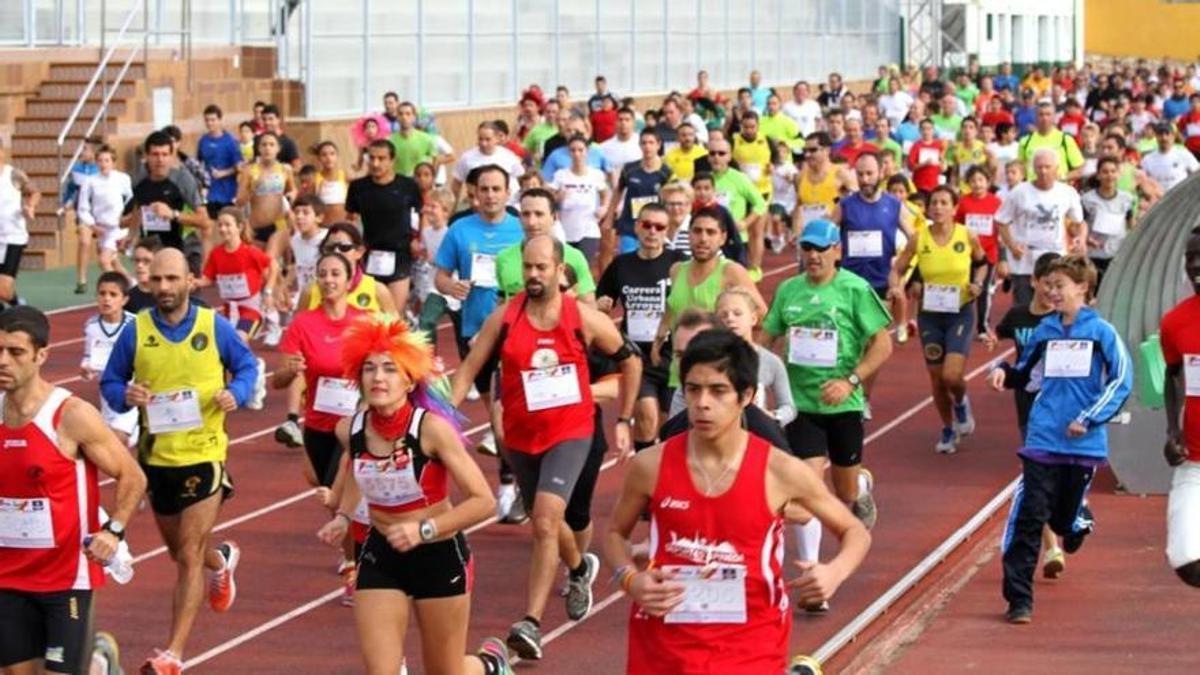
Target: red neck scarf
(392, 427)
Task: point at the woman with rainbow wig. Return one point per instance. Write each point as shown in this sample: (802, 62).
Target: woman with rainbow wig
(401, 449)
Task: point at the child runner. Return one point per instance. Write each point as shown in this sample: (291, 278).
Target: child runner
(977, 210)
(101, 201)
(783, 193)
(736, 311)
(100, 332)
(1086, 376)
(241, 272)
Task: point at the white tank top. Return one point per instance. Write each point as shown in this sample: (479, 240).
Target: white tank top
(12, 221)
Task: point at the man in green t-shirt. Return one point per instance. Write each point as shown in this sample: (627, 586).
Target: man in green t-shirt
(737, 193)
(1046, 135)
(835, 332)
(947, 121)
(537, 218)
(537, 136)
(413, 146)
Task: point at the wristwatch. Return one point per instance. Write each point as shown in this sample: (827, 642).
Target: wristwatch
(854, 380)
(427, 530)
(625, 420)
(116, 528)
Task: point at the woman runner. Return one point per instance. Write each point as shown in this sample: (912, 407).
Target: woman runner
(331, 182)
(267, 185)
(945, 253)
(403, 449)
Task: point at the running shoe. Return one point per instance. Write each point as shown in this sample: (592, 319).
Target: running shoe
(1018, 615)
(81, 288)
(948, 443)
(487, 445)
(902, 332)
(506, 496)
(289, 434)
(349, 575)
(493, 649)
(222, 589)
(260, 386)
(162, 663)
(1084, 524)
(820, 608)
(964, 420)
(516, 513)
(867, 411)
(473, 394)
(1054, 564)
(525, 639)
(579, 591)
(864, 507)
(273, 330)
(756, 274)
(106, 654)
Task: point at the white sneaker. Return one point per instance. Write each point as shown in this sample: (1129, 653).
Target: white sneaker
(473, 395)
(487, 445)
(506, 496)
(902, 333)
(260, 387)
(273, 329)
(867, 411)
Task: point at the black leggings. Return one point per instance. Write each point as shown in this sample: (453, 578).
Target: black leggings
(579, 509)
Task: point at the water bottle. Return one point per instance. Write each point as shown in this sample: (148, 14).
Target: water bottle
(120, 565)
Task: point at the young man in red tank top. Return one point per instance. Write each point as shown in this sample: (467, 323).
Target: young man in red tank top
(52, 446)
(716, 497)
(542, 336)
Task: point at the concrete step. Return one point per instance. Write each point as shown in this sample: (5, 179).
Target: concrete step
(62, 109)
(74, 72)
(47, 147)
(42, 241)
(44, 223)
(36, 165)
(37, 259)
(71, 91)
(29, 127)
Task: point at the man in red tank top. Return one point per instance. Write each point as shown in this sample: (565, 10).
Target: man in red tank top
(542, 336)
(713, 598)
(51, 446)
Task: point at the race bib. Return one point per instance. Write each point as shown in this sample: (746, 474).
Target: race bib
(152, 222)
(1070, 129)
(553, 387)
(942, 298)
(381, 263)
(336, 396)
(1193, 130)
(98, 355)
(233, 286)
(483, 270)
(817, 347)
(177, 410)
(928, 156)
(1109, 224)
(1068, 358)
(980, 224)
(26, 523)
(1191, 374)
(865, 244)
(636, 204)
(387, 481)
(944, 134)
(811, 212)
(1044, 236)
(642, 326)
(753, 171)
(712, 593)
(723, 199)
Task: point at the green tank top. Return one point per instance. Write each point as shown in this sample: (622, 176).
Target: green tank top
(684, 296)
(1127, 182)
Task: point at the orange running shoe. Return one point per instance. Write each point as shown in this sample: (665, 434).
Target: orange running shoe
(222, 589)
(162, 663)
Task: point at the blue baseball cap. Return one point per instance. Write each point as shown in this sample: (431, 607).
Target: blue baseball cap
(821, 232)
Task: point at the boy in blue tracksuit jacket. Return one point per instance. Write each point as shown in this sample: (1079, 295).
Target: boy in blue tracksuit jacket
(1086, 374)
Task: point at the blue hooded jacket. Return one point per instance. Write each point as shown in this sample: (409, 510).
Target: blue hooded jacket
(1091, 400)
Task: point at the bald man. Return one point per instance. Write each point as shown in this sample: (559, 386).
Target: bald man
(171, 365)
(542, 336)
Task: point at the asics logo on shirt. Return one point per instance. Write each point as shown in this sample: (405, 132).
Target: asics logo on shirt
(677, 504)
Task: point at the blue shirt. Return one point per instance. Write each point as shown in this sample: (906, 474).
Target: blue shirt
(79, 173)
(1026, 119)
(1174, 107)
(561, 159)
(882, 216)
(1002, 82)
(758, 98)
(907, 132)
(220, 153)
(467, 236)
(235, 356)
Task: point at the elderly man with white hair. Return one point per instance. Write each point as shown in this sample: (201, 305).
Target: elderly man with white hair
(1040, 216)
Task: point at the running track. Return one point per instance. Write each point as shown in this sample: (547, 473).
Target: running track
(287, 618)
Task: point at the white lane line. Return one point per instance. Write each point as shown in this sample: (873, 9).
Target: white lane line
(64, 343)
(68, 309)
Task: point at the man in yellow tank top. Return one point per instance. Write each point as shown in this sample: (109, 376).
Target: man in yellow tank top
(820, 182)
(171, 366)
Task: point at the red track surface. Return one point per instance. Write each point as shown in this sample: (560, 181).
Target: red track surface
(287, 619)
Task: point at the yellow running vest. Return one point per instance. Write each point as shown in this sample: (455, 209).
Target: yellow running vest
(362, 296)
(195, 364)
(948, 265)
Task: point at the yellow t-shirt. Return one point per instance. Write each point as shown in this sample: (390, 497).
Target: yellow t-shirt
(754, 159)
(364, 294)
(947, 265)
(683, 163)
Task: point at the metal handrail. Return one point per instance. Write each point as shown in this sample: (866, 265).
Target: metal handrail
(64, 170)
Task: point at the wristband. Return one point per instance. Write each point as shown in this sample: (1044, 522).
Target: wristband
(342, 514)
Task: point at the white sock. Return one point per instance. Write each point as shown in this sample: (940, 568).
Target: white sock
(863, 485)
(808, 540)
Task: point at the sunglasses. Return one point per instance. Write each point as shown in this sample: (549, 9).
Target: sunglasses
(809, 248)
(345, 247)
(647, 225)
(719, 153)
(809, 151)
